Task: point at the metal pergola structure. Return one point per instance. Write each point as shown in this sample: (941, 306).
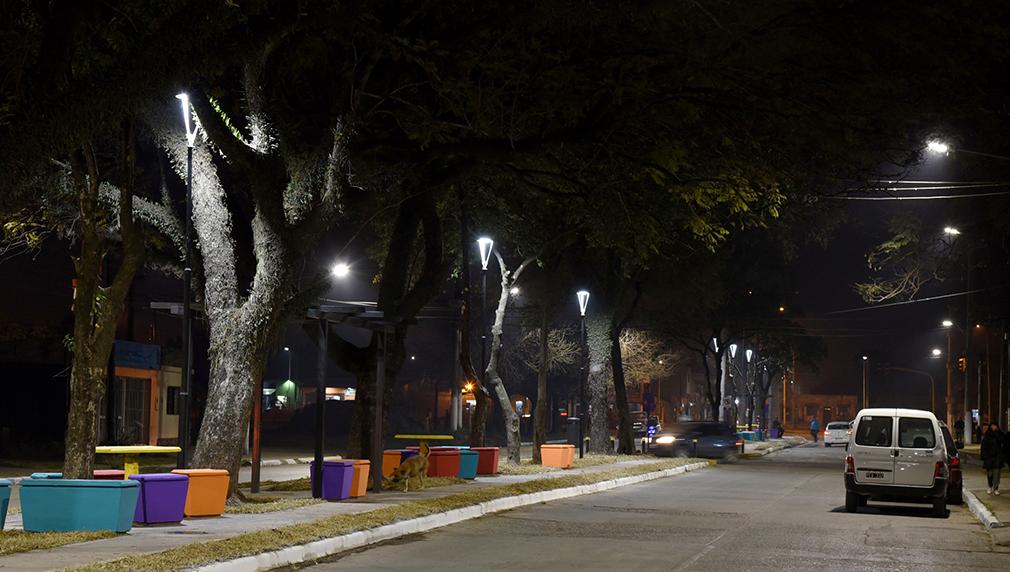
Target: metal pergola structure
(358, 316)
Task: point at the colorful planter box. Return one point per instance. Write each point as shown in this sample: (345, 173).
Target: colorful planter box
(68, 505)
(337, 478)
(5, 499)
(162, 497)
(391, 459)
(468, 461)
(444, 463)
(207, 491)
(359, 483)
(47, 475)
(487, 462)
(560, 456)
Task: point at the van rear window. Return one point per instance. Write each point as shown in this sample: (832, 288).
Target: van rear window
(838, 426)
(874, 431)
(916, 433)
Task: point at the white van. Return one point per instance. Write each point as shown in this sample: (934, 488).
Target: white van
(896, 455)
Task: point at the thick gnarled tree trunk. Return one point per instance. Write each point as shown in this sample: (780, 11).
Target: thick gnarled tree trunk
(97, 308)
(598, 340)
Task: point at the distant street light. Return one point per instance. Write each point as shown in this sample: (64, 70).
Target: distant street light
(947, 323)
(732, 350)
(289, 352)
(583, 298)
(341, 270)
(937, 352)
(865, 382)
(485, 245)
(514, 290)
(951, 231)
(749, 354)
(938, 147)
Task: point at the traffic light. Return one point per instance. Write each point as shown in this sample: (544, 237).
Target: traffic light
(962, 364)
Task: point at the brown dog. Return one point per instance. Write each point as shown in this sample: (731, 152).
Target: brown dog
(413, 467)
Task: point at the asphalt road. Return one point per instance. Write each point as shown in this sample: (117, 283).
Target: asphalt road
(781, 512)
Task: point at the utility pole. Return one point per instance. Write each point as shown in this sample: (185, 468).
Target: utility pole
(950, 381)
(866, 404)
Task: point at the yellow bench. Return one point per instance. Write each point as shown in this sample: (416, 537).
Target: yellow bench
(132, 453)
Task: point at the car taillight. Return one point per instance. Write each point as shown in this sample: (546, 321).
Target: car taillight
(739, 443)
(955, 464)
(850, 465)
(848, 433)
(938, 470)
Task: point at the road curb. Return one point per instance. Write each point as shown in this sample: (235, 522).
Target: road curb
(981, 512)
(329, 546)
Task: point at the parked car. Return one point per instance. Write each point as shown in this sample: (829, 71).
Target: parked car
(837, 433)
(698, 439)
(897, 455)
(955, 486)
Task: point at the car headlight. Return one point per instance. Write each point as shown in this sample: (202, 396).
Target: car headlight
(665, 439)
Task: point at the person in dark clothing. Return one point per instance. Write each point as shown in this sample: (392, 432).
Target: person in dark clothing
(992, 457)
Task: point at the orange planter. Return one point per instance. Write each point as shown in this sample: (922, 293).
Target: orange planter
(561, 456)
(207, 493)
(359, 483)
(390, 462)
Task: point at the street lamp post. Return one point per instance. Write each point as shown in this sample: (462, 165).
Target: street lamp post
(583, 297)
(485, 245)
(187, 280)
(865, 385)
(932, 383)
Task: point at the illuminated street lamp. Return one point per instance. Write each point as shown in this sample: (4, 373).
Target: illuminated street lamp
(187, 279)
(732, 350)
(938, 147)
(937, 352)
(583, 298)
(341, 270)
(866, 360)
(951, 231)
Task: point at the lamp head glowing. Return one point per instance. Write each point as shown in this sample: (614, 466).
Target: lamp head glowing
(937, 352)
(514, 290)
(715, 344)
(485, 244)
(865, 358)
(732, 350)
(938, 147)
(951, 231)
(287, 349)
(947, 323)
(187, 118)
(341, 270)
(583, 297)
(750, 355)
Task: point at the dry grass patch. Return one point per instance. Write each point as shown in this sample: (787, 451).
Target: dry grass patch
(269, 504)
(258, 542)
(12, 541)
(429, 483)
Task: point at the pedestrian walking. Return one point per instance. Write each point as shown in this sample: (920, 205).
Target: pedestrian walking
(992, 457)
(814, 428)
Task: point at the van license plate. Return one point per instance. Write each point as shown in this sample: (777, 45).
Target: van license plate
(874, 475)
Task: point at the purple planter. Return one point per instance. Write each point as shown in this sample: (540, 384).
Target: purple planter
(337, 477)
(162, 497)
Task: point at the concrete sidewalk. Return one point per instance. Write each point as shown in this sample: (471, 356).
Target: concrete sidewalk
(147, 539)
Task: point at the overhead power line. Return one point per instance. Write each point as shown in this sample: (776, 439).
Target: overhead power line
(906, 302)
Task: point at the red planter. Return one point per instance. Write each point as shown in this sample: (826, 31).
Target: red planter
(487, 463)
(444, 463)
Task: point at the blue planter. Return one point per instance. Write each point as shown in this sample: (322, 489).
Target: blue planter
(5, 498)
(468, 463)
(47, 475)
(66, 505)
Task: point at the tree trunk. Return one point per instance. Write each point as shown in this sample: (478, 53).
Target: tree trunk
(481, 411)
(625, 442)
(87, 386)
(512, 437)
(97, 309)
(540, 409)
(235, 368)
(597, 335)
(363, 415)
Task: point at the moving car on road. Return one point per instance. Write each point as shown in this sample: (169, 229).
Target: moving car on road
(897, 455)
(837, 433)
(698, 439)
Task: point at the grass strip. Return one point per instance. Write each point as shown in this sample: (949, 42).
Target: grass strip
(261, 506)
(251, 543)
(304, 484)
(13, 541)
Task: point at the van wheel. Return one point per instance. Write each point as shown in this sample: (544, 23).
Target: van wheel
(940, 507)
(851, 502)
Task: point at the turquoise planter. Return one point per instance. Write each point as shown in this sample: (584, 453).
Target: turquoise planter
(47, 475)
(5, 499)
(66, 505)
(468, 463)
